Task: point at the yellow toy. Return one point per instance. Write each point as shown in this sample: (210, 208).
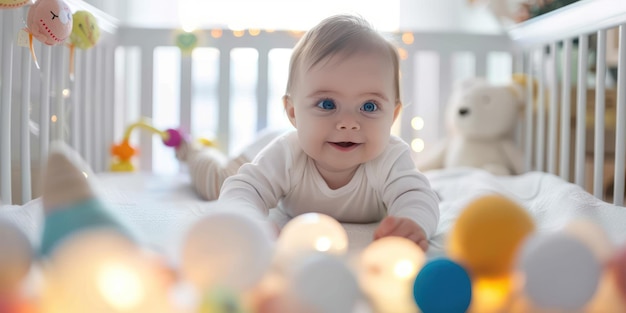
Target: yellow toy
(85, 34)
(123, 152)
(487, 234)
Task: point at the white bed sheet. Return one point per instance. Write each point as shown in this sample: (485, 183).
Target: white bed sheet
(162, 207)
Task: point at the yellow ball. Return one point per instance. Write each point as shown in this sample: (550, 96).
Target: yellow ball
(219, 300)
(487, 235)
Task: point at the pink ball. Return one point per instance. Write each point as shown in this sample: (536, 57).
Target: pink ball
(620, 270)
(174, 138)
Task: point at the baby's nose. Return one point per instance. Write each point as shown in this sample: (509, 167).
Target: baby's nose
(348, 122)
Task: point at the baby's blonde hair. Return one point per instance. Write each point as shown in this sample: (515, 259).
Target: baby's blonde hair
(346, 34)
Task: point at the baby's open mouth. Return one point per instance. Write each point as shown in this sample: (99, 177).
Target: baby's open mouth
(344, 144)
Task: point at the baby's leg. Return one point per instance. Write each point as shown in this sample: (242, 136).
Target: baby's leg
(209, 167)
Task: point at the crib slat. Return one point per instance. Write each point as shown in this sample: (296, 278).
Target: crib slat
(98, 124)
(60, 72)
(5, 106)
(262, 89)
(581, 103)
(620, 128)
(566, 109)
(553, 115)
(109, 104)
(74, 101)
(44, 103)
(186, 89)
(407, 68)
(223, 126)
(481, 64)
(541, 115)
(530, 101)
(25, 127)
(598, 164)
(87, 105)
(146, 109)
(445, 77)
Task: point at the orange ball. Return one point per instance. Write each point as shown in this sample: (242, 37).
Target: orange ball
(487, 235)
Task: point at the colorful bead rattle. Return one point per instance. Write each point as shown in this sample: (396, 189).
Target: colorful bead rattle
(123, 152)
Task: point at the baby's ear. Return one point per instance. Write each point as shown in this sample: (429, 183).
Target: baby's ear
(290, 109)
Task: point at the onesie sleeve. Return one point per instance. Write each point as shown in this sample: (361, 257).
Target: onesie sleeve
(260, 184)
(406, 192)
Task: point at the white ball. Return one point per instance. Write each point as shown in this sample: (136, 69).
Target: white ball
(226, 249)
(593, 236)
(16, 255)
(560, 271)
(311, 233)
(325, 283)
(387, 270)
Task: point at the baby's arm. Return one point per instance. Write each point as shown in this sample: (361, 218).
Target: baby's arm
(412, 205)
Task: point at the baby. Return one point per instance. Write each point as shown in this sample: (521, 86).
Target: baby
(342, 98)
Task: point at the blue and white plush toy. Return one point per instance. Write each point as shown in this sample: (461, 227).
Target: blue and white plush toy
(69, 201)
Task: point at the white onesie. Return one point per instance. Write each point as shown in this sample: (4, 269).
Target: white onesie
(282, 176)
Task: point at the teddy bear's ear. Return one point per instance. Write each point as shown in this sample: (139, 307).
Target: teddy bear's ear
(520, 89)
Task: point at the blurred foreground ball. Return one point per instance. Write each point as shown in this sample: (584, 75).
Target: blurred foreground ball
(442, 286)
(325, 284)
(16, 255)
(487, 235)
(388, 267)
(311, 233)
(226, 249)
(560, 272)
(620, 270)
(221, 300)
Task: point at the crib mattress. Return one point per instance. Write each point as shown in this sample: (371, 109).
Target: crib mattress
(162, 207)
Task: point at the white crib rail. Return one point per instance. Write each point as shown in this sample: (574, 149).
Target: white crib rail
(97, 111)
(5, 104)
(35, 102)
(579, 20)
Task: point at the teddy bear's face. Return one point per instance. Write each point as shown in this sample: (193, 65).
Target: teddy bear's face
(483, 111)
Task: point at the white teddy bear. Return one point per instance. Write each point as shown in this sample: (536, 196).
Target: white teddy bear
(481, 119)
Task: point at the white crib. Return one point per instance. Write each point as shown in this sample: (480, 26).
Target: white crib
(115, 84)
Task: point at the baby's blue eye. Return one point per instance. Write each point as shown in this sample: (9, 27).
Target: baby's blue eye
(369, 107)
(326, 104)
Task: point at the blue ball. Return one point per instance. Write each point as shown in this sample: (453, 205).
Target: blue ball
(442, 286)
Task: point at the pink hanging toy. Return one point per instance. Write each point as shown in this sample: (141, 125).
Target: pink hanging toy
(49, 21)
(12, 4)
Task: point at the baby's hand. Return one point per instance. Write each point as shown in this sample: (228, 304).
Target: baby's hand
(402, 227)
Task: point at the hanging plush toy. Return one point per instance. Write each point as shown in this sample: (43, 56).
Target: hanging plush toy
(85, 34)
(12, 4)
(49, 21)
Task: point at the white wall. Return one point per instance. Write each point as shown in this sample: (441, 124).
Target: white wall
(410, 15)
(446, 15)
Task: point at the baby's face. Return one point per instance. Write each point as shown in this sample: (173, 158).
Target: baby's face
(343, 109)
